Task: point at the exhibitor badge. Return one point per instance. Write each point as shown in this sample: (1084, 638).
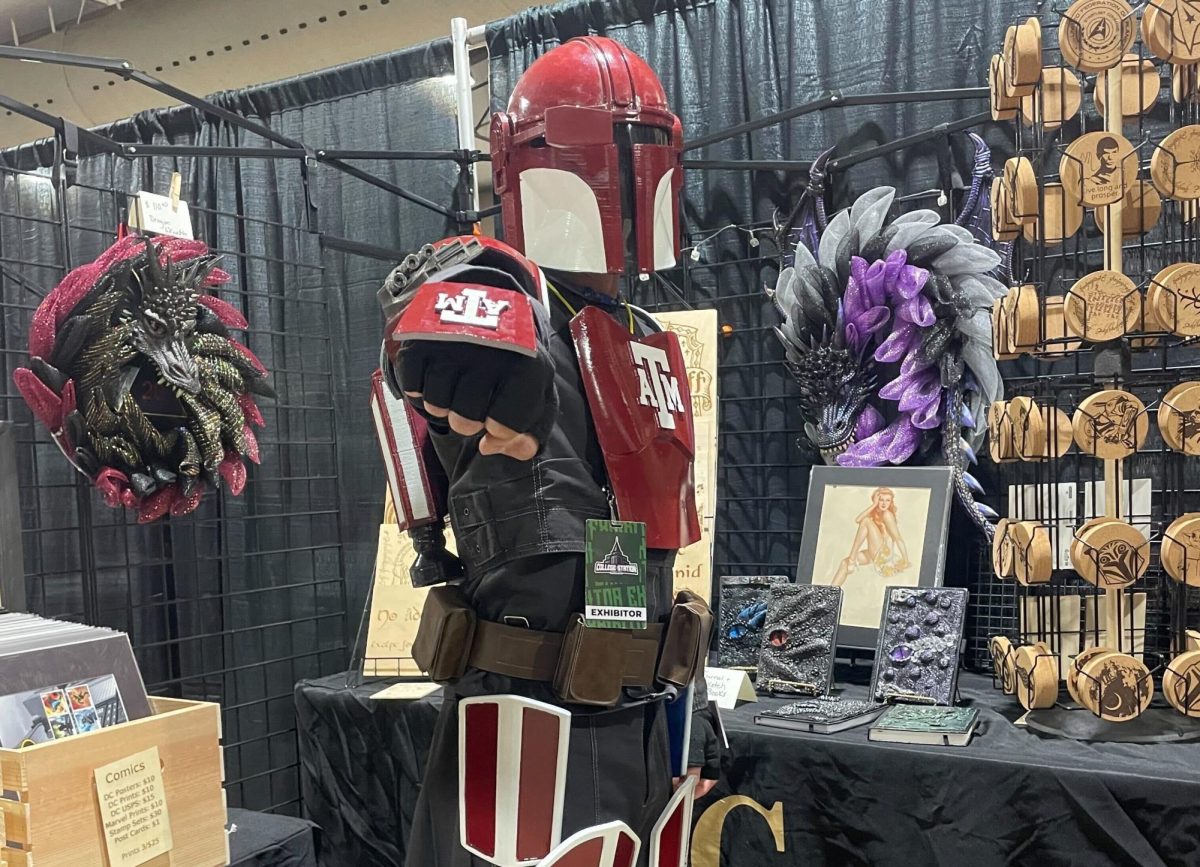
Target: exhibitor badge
(615, 576)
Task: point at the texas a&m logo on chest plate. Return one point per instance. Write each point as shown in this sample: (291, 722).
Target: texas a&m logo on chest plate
(642, 408)
(467, 313)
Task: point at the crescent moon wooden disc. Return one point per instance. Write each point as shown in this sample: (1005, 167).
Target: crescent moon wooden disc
(1098, 167)
(1181, 683)
(1115, 686)
(1112, 555)
(1077, 665)
(1102, 306)
(1180, 551)
(1179, 418)
(1036, 676)
(1095, 34)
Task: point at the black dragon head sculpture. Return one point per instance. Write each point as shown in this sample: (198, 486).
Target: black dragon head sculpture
(135, 372)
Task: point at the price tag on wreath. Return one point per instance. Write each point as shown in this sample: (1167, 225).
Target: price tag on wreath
(615, 575)
(133, 809)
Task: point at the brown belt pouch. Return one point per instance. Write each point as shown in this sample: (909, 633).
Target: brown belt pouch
(591, 664)
(685, 644)
(445, 636)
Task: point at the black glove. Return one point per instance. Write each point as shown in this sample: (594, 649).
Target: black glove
(477, 388)
(705, 748)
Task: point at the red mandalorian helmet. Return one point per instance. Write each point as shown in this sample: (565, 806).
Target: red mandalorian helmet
(587, 162)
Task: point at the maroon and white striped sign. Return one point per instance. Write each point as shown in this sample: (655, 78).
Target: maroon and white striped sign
(611, 845)
(402, 437)
(672, 832)
(512, 766)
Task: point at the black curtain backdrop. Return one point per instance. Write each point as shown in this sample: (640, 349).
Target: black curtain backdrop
(722, 63)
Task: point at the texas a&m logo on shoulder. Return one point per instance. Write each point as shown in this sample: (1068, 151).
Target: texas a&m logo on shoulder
(471, 306)
(658, 384)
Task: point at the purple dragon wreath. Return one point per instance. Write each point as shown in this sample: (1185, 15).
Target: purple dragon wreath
(906, 303)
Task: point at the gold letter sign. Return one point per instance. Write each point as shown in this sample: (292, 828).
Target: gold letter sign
(706, 838)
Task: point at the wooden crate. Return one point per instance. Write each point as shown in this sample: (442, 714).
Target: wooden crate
(56, 818)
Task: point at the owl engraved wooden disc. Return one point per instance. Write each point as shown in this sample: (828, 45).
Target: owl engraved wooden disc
(1181, 683)
(1112, 555)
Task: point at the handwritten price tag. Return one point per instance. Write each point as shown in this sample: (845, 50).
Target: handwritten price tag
(157, 214)
(133, 809)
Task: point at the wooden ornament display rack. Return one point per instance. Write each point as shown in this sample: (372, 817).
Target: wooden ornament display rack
(1102, 327)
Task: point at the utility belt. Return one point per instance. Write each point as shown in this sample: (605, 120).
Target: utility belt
(583, 665)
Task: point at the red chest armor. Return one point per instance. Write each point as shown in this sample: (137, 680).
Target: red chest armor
(642, 408)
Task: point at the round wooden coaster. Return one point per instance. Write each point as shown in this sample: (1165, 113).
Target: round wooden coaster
(1001, 347)
(1140, 86)
(1102, 306)
(1077, 550)
(1183, 81)
(1179, 418)
(1140, 210)
(1097, 168)
(1095, 34)
(1037, 676)
(1004, 107)
(1004, 227)
(1115, 686)
(1023, 57)
(1024, 317)
(1059, 435)
(1171, 30)
(1180, 551)
(1112, 555)
(1001, 557)
(1020, 183)
(1181, 683)
(1060, 219)
(1177, 299)
(1033, 557)
(1110, 425)
(1077, 665)
(1175, 165)
(1002, 663)
(1029, 428)
(1059, 99)
(1000, 433)
(1056, 327)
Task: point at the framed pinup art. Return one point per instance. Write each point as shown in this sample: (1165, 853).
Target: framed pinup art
(868, 529)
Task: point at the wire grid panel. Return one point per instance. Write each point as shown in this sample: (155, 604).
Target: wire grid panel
(762, 472)
(240, 600)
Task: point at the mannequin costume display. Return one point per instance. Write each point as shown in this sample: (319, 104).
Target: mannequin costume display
(537, 401)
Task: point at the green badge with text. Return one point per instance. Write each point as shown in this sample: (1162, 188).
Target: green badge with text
(615, 577)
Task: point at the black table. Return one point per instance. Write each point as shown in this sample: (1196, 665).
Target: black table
(266, 840)
(1011, 797)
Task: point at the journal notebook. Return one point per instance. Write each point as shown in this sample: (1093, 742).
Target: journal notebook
(742, 612)
(799, 638)
(923, 724)
(919, 637)
(823, 715)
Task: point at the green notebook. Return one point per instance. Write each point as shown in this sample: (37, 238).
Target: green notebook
(926, 724)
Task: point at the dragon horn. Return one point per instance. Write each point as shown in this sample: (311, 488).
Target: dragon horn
(969, 452)
(973, 484)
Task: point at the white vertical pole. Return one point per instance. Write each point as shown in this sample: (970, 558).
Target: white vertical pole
(459, 38)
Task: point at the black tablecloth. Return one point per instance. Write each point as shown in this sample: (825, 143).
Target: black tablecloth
(266, 840)
(1011, 797)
